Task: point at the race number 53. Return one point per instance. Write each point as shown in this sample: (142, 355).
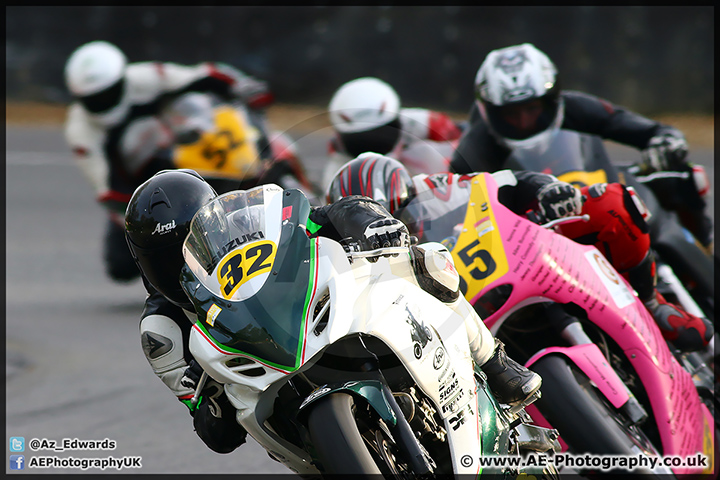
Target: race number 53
(241, 266)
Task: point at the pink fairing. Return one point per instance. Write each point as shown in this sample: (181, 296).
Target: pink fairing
(542, 266)
(591, 361)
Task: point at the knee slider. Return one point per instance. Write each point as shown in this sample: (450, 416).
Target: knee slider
(162, 343)
(435, 271)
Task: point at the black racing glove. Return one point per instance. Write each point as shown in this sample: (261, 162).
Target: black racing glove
(213, 416)
(212, 393)
(385, 233)
(665, 152)
(559, 199)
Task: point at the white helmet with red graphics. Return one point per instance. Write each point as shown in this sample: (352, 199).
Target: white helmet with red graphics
(518, 95)
(95, 76)
(365, 114)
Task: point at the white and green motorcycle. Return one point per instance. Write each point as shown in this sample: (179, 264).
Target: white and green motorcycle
(336, 361)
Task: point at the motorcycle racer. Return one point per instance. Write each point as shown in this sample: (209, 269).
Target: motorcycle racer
(366, 115)
(114, 132)
(520, 105)
(157, 222)
(433, 207)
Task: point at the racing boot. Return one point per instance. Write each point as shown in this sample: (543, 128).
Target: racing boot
(686, 332)
(510, 382)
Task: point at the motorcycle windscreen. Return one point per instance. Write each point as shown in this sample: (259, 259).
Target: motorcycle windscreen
(250, 272)
(563, 154)
(570, 156)
(432, 220)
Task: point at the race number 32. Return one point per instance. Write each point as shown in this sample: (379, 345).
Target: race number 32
(243, 265)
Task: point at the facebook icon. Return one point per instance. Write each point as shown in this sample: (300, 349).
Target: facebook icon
(17, 462)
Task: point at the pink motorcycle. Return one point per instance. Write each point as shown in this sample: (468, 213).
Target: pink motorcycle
(611, 383)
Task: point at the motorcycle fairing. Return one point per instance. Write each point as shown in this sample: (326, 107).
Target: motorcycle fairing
(431, 342)
(591, 361)
(227, 147)
(581, 178)
(557, 269)
(479, 247)
(251, 319)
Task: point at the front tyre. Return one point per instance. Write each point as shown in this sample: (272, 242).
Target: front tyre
(586, 423)
(337, 440)
(350, 438)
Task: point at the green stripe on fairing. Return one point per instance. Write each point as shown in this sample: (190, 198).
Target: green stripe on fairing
(312, 227)
(308, 297)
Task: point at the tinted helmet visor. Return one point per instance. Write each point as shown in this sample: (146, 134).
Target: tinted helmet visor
(379, 140)
(521, 120)
(105, 99)
(161, 266)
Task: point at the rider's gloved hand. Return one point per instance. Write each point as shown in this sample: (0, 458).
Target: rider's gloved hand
(559, 199)
(211, 395)
(389, 232)
(666, 152)
(385, 233)
(254, 93)
(213, 416)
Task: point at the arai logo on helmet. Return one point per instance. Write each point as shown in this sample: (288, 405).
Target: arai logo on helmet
(162, 229)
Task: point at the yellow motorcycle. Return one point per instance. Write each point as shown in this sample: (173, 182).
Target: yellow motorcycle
(230, 147)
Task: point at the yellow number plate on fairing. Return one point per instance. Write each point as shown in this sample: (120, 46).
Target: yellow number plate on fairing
(243, 265)
(582, 178)
(228, 150)
(479, 252)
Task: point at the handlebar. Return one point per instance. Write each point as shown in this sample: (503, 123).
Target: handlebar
(378, 252)
(573, 218)
(539, 219)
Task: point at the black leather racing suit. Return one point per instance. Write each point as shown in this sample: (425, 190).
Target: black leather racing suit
(480, 151)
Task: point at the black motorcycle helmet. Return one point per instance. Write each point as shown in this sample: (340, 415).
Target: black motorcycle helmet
(157, 220)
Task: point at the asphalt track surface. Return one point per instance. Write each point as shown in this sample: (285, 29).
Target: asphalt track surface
(75, 368)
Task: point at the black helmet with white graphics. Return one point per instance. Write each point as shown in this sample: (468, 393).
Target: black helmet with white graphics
(365, 114)
(157, 220)
(518, 95)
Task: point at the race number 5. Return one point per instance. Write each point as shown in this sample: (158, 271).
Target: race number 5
(243, 265)
(481, 254)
